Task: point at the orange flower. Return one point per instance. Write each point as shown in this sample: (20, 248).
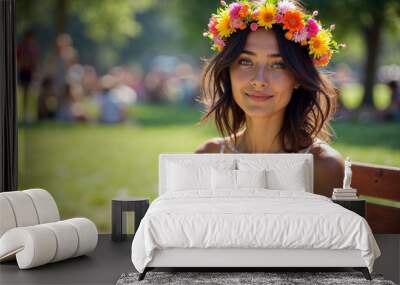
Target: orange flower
(254, 15)
(293, 21)
(244, 11)
(289, 35)
(324, 59)
(219, 48)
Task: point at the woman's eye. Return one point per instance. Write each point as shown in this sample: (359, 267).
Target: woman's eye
(245, 62)
(278, 65)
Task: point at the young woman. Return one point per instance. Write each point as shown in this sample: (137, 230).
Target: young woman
(263, 88)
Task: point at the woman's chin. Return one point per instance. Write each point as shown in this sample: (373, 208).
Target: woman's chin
(258, 112)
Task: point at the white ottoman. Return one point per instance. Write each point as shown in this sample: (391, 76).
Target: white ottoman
(31, 232)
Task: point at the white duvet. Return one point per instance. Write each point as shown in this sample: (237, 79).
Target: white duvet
(253, 218)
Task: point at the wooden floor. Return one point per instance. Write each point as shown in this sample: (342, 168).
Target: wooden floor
(111, 259)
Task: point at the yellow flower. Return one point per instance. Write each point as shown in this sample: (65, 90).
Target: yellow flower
(224, 25)
(266, 16)
(319, 45)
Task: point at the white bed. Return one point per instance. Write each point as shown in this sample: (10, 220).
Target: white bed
(247, 210)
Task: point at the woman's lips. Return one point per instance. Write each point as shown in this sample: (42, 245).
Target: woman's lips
(259, 97)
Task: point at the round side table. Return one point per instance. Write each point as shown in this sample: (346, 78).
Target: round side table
(120, 207)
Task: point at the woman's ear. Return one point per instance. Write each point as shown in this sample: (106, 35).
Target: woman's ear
(297, 85)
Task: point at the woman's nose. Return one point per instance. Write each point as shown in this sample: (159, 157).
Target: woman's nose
(258, 84)
(259, 80)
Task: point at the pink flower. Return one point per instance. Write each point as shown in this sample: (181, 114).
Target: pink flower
(279, 18)
(219, 42)
(212, 26)
(235, 23)
(253, 27)
(312, 28)
(300, 35)
(234, 10)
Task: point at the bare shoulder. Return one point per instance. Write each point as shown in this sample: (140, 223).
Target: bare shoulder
(212, 145)
(328, 169)
(326, 155)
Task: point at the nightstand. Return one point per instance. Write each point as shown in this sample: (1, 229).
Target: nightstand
(121, 208)
(358, 206)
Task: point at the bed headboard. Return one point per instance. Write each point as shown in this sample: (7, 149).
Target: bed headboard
(274, 159)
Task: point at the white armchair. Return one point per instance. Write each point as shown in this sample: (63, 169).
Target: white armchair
(31, 230)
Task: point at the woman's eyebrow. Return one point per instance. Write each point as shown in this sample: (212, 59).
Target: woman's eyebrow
(249, 52)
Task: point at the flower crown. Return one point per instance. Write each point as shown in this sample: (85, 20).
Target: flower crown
(298, 26)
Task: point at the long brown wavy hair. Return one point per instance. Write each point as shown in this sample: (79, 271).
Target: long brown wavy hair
(308, 113)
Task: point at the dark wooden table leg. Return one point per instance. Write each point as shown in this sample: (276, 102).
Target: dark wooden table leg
(121, 207)
(116, 234)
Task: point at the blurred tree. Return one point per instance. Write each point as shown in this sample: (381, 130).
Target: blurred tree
(193, 18)
(104, 20)
(371, 18)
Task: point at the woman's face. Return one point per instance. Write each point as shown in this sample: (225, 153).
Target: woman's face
(261, 83)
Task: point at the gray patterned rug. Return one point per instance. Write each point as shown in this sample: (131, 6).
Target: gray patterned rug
(242, 278)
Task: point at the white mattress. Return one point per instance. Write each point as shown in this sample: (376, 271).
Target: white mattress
(252, 218)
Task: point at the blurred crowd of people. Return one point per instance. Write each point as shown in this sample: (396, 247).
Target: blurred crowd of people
(65, 89)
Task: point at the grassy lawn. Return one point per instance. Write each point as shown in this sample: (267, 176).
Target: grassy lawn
(85, 165)
(352, 95)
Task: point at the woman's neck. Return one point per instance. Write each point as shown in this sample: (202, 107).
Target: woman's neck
(261, 135)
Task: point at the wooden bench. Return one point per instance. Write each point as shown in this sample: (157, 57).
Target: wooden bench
(383, 182)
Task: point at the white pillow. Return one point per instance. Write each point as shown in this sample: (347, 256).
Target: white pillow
(181, 178)
(225, 179)
(251, 178)
(285, 174)
(294, 180)
(193, 175)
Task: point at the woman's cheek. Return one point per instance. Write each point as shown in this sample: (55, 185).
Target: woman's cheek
(278, 77)
(281, 82)
(240, 79)
(243, 75)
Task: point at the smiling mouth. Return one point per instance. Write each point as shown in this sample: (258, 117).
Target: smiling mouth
(259, 98)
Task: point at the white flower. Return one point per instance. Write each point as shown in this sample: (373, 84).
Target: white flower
(285, 5)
